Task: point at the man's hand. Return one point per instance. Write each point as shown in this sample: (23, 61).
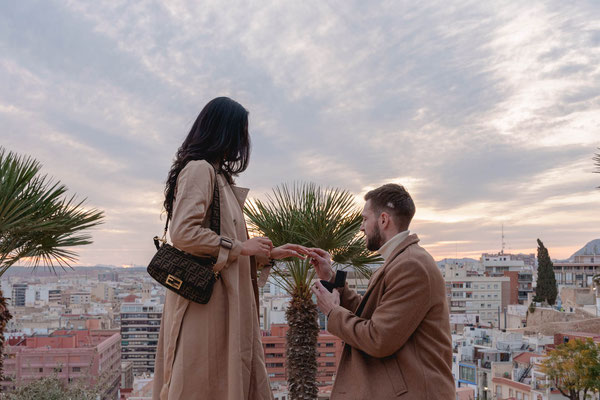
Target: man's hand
(321, 261)
(289, 250)
(326, 301)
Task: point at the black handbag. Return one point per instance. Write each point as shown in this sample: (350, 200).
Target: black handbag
(190, 276)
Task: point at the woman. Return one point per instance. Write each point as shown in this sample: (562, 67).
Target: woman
(214, 351)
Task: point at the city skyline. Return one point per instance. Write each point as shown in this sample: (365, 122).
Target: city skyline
(487, 113)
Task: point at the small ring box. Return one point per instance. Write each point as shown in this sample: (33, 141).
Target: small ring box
(340, 281)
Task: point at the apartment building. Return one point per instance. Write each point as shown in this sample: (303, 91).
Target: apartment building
(518, 267)
(103, 292)
(19, 291)
(140, 325)
(91, 356)
(579, 272)
(485, 296)
(329, 350)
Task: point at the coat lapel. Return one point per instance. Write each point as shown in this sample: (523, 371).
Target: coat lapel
(240, 195)
(410, 240)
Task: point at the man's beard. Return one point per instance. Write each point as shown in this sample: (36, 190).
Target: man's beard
(375, 241)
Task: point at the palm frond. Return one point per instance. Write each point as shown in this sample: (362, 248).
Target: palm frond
(38, 225)
(306, 214)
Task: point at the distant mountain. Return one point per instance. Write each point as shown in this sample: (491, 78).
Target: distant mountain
(592, 247)
(445, 261)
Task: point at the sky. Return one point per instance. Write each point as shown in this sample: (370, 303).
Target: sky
(487, 112)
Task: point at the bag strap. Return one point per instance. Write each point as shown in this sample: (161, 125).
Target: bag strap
(215, 211)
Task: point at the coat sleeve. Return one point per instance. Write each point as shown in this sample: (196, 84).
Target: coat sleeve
(195, 185)
(349, 299)
(402, 307)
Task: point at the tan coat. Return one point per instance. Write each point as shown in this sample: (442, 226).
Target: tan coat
(211, 351)
(397, 336)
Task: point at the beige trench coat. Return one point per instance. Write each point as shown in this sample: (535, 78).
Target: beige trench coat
(397, 337)
(211, 351)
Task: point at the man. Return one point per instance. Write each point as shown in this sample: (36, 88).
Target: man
(397, 336)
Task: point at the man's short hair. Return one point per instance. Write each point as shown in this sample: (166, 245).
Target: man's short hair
(394, 200)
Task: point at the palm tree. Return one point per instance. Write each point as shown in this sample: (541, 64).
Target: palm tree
(38, 224)
(308, 215)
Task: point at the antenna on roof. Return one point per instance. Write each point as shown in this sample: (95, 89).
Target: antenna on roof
(503, 243)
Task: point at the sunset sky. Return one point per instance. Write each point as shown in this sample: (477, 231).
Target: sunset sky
(487, 112)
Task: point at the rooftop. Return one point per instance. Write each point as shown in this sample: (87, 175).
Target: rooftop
(525, 357)
(65, 339)
(510, 382)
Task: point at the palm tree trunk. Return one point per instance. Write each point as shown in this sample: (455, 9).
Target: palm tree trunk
(5, 316)
(301, 347)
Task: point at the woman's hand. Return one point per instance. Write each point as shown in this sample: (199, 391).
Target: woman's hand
(289, 250)
(321, 260)
(258, 246)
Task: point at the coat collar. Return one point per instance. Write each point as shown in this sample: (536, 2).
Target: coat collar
(240, 194)
(410, 240)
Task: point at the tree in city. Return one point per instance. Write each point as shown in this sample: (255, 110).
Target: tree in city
(574, 368)
(597, 162)
(311, 216)
(39, 224)
(53, 388)
(546, 290)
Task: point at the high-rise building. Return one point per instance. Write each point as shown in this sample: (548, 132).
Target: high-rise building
(72, 355)
(140, 325)
(19, 291)
(108, 276)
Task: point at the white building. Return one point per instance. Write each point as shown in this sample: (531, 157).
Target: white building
(579, 272)
(140, 325)
(484, 296)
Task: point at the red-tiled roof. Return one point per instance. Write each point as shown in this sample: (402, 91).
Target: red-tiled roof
(510, 382)
(525, 357)
(130, 298)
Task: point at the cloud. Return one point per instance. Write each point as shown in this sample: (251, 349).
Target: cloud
(487, 112)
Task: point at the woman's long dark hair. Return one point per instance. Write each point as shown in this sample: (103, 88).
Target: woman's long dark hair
(220, 136)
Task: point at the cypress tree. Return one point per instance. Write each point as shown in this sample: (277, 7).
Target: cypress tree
(546, 281)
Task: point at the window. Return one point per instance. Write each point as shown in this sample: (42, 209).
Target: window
(569, 277)
(467, 374)
(496, 286)
(76, 369)
(510, 393)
